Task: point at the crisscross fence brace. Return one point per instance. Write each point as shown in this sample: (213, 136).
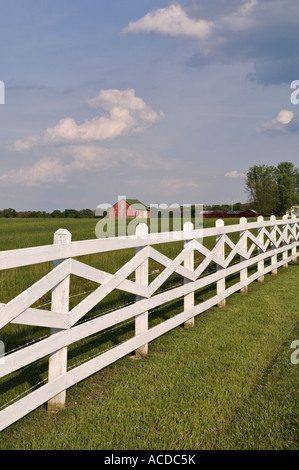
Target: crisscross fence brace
(267, 245)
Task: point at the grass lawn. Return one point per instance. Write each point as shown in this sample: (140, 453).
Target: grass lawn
(228, 383)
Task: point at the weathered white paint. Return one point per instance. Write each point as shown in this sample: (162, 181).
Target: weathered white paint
(260, 239)
(221, 254)
(141, 277)
(294, 249)
(243, 243)
(189, 264)
(60, 304)
(273, 235)
(23, 301)
(285, 237)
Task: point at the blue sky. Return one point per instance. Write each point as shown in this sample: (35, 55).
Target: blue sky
(162, 101)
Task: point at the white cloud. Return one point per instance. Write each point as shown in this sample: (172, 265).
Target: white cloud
(242, 17)
(174, 21)
(83, 158)
(125, 114)
(44, 171)
(283, 118)
(235, 174)
(259, 32)
(170, 21)
(77, 148)
(21, 145)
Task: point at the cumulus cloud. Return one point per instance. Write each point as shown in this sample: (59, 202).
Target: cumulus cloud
(45, 170)
(125, 114)
(278, 124)
(72, 160)
(242, 17)
(262, 33)
(77, 145)
(170, 21)
(235, 174)
(21, 145)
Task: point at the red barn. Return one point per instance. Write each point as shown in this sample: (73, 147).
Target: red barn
(212, 214)
(229, 214)
(129, 209)
(238, 214)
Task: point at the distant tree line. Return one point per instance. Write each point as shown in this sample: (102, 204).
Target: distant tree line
(273, 190)
(67, 213)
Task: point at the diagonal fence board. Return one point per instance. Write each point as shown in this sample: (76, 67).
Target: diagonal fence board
(166, 262)
(25, 405)
(274, 238)
(41, 318)
(107, 287)
(23, 301)
(61, 339)
(96, 275)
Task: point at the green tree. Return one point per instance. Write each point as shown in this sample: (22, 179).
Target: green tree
(86, 213)
(287, 176)
(56, 214)
(70, 213)
(261, 185)
(9, 213)
(273, 190)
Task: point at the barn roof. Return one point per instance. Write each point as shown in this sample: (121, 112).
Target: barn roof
(241, 212)
(135, 202)
(212, 212)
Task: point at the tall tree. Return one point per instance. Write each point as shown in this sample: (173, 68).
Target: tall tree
(273, 190)
(262, 188)
(286, 186)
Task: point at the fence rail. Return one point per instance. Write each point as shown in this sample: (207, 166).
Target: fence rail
(266, 244)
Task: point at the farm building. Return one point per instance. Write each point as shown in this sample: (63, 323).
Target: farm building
(129, 209)
(228, 214)
(212, 214)
(246, 213)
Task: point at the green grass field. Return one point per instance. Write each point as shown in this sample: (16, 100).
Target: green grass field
(226, 384)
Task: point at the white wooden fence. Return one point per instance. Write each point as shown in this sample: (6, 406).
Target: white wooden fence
(267, 244)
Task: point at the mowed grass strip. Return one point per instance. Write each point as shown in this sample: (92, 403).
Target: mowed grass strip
(228, 383)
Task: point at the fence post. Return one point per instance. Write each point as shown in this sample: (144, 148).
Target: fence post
(59, 304)
(141, 277)
(273, 233)
(220, 254)
(294, 250)
(243, 244)
(260, 237)
(189, 264)
(285, 243)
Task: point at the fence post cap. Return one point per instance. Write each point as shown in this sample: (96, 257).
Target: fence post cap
(62, 235)
(63, 231)
(142, 230)
(219, 223)
(188, 226)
